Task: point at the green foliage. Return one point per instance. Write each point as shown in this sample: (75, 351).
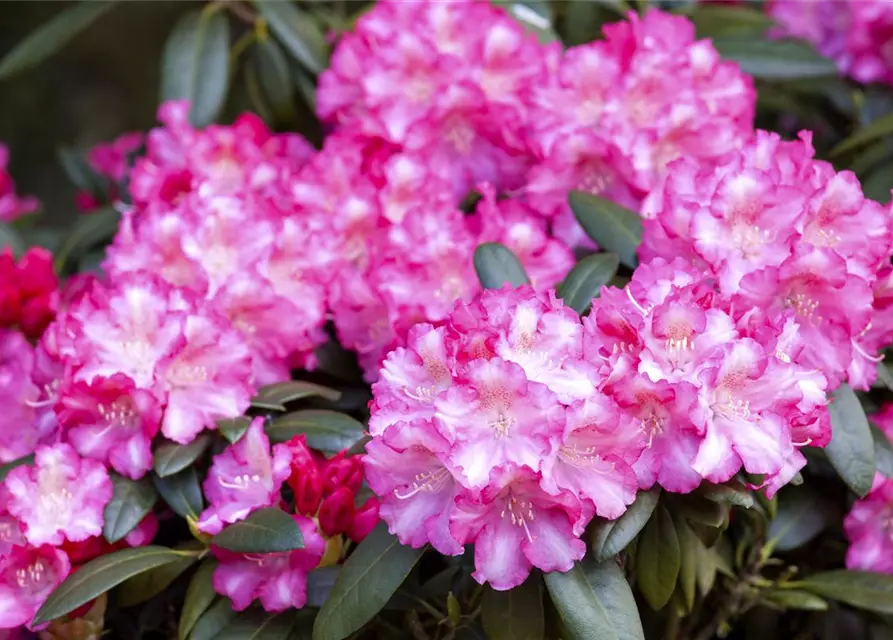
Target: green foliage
(496, 265)
(131, 501)
(264, 531)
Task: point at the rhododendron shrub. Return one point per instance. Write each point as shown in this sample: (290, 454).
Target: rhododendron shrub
(402, 312)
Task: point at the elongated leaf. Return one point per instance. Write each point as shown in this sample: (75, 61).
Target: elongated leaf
(99, 575)
(794, 599)
(234, 428)
(688, 559)
(11, 238)
(79, 172)
(802, 514)
(46, 40)
(258, 625)
(533, 15)
(611, 540)
(879, 128)
(131, 501)
(716, 21)
(18, 462)
(733, 493)
(171, 458)
(775, 59)
(496, 265)
(613, 227)
(860, 589)
(276, 396)
(594, 601)
(199, 596)
(368, 579)
(149, 584)
(297, 32)
(883, 451)
(274, 77)
(586, 280)
(320, 583)
(658, 559)
(195, 64)
(88, 231)
(327, 431)
(851, 450)
(181, 492)
(516, 614)
(264, 531)
(213, 621)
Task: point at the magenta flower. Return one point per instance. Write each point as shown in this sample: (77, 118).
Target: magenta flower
(28, 575)
(869, 528)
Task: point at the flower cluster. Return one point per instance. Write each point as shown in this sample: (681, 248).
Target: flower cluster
(12, 206)
(29, 293)
(111, 162)
(784, 232)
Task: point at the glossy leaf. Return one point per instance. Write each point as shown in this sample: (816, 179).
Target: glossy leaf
(181, 492)
(496, 265)
(274, 78)
(149, 584)
(234, 428)
(327, 431)
(801, 516)
(688, 559)
(594, 600)
(775, 59)
(614, 228)
(731, 493)
(9, 466)
(535, 16)
(78, 170)
(88, 231)
(195, 64)
(860, 589)
(883, 451)
(658, 559)
(171, 458)
(131, 501)
(516, 614)
(795, 599)
(371, 575)
(275, 396)
(214, 620)
(98, 576)
(199, 596)
(614, 536)
(264, 531)
(47, 39)
(851, 450)
(320, 583)
(297, 32)
(879, 128)
(259, 625)
(586, 279)
(717, 21)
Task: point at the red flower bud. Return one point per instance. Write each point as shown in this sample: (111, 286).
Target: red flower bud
(84, 201)
(37, 314)
(343, 471)
(336, 512)
(306, 479)
(364, 520)
(10, 305)
(36, 275)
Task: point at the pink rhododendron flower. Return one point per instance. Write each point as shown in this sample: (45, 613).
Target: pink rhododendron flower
(60, 497)
(277, 580)
(869, 528)
(28, 575)
(12, 206)
(245, 477)
(111, 159)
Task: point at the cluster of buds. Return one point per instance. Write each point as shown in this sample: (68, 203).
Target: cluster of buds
(29, 291)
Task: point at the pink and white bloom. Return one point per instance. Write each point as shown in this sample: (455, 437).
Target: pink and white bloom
(869, 528)
(28, 575)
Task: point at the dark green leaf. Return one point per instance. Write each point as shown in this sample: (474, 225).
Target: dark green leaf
(88, 231)
(274, 77)
(802, 514)
(860, 589)
(131, 501)
(583, 20)
(702, 510)
(18, 462)
(879, 183)
(259, 625)
(496, 265)
(595, 602)
(613, 227)
(371, 575)
(276, 396)
(775, 59)
(9, 237)
(516, 614)
(732, 493)
(609, 541)
(199, 597)
(880, 128)
(47, 39)
(149, 584)
(306, 88)
(264, 531)
(297, 32)
(181, 492)
(851, 450)
(658, 559)
(195, 64)
(586, 280)
(794, 599)
(327, 431)
(883, 451)
(320, 582)
(688, 559)
(79, 172)
(213, 621)
(705, 568)
(171, 458)
(234, 428)
(717, 21)
(533, 15)
(99, 575)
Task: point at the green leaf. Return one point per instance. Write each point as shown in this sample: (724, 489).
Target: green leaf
(883, 451)
(18, 462)
(611, 540)
(199, 596)
(275, 396)
(11, 238)
(306, 88)
(327, 431)
(195, 64)
(78, 170)
(595, 602)
(234, 428)
(879, 128)
(371, 575)
(131, 501)
(274, 77)
(860, 589)
(264, 531)
(297, 32)
(89, 230)
(516, 614)
(701, 510)
(213, 621)
(794, 599)
(149, 584)
(716, 21)
(496, 265)
(586, 280)
(171, 458)
(688, 559)
(705, 568)
(802, 515)
(320, 583)
(47, 39)
(851, 450)
(258, 625)
(99, 575)
(613, 227)
(535, 16)
(181, 492)
(732, 493)
(658, 559)
(775, 59)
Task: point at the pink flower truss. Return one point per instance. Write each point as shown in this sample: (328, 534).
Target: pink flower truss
(28, 575)
(783, 231)
(60, 497)
(12, 206)
(277, 580)
(869, 528)
(482, 433)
